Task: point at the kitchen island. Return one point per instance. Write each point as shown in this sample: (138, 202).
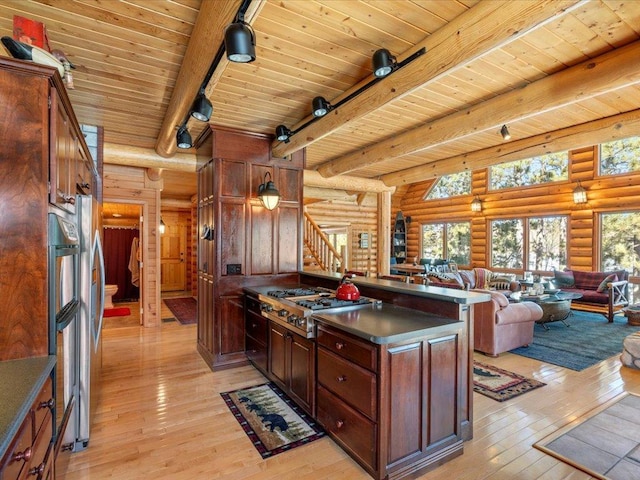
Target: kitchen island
(389, 381)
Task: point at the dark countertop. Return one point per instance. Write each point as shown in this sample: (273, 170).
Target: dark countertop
(436, 293)
(21, 381)
(385, 323)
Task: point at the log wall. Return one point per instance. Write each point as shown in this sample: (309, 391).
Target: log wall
(605, 194)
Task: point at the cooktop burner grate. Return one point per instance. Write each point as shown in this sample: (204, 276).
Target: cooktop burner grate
(294, 292)
(325, 303)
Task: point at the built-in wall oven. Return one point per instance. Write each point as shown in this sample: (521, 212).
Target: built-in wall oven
(64, 302)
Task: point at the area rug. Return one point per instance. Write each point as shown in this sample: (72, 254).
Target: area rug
(588, 340)
(184, 309)
(273, 423)
(605, 443)
(117, 312)
(500, 384)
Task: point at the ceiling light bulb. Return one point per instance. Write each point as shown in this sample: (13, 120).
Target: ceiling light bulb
(240, 42)
(383, 63)
(320, 107)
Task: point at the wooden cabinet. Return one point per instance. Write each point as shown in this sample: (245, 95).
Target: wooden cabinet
(31, 452)
(241, 242)
(257, 334)
(399, 239)
(292, 365)
(396, 409)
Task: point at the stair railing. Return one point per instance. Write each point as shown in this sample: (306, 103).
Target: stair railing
(324, 253)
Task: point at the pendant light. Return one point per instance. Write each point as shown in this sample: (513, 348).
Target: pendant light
(240, 41)
(202, 108)
(283, 134)
(476, 204)
(579, 194)
(162, 227)
(383, 63)
(183, 137)
(268, 194)
(320, 107)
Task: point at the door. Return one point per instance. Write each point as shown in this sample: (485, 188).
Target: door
(173, 269)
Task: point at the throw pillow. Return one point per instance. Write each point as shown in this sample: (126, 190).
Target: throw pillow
(447, 278)
(603, 285)
(500, 285)
(482, 277)
(563, 279)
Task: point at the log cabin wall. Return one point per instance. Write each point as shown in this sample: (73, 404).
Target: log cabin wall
(606, 193)
(132, 184)
(358, 219)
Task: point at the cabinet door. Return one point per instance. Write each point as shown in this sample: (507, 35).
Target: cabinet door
(301, 371)
(62, 159)
(277, 357)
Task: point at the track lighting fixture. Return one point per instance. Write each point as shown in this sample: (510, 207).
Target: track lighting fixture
(202, 108)
(162, 227)
(283, 134)
(383, 63)
(320, 107)
(504, 131)
(476, 204)
(579, 194)
(268, 194)
(183, 137)
(240, 41)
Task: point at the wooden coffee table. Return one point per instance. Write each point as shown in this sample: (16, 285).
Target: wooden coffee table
(556, 307)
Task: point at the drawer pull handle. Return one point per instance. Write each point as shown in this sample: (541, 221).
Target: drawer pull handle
(339, 345)
(339, 424)
(48, 404)
(254, 325)
(39, 470)
(342, 378)
(25, 456)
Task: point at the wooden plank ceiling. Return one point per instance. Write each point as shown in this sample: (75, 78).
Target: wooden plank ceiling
(541, 67)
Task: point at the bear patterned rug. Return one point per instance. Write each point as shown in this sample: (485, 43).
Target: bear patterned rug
(273, 423)
(499, 384)
(605, 443)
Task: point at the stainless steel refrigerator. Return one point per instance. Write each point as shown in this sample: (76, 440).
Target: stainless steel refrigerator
(89, 339)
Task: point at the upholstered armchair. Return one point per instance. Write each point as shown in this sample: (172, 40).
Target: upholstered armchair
(500, 326)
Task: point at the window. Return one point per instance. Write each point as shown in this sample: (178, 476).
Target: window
(539, 243)
(450, 186)
(530, 171)
(620, 156)
(620, 245)
(447, 240)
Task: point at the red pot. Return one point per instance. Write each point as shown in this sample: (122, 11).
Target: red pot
(347, 290)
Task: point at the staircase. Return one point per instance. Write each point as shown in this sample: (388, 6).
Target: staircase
(319, 253)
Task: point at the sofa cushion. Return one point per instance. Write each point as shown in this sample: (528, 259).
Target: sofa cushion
(448, 278)
(563, 279)
(608, 279)
(589, 296)
(468, 277)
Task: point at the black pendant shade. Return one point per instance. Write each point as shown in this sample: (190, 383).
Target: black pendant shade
(240, 43)
(320, 107)
(383, 63)
(202, 108)
(283, 133)
(183, 138)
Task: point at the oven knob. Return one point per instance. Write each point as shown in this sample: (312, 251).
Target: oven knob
(293, 319)
(301, 322)
(265, 307)
(283, 313)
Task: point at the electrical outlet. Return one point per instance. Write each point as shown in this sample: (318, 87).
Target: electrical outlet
(234, 269)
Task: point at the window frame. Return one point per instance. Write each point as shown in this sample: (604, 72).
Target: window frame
(445, 239)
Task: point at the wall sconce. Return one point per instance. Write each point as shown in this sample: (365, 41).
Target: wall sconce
(268, 194)
(504, 131)
(162, 227)
(202, 108)
(283, 134)
(383, 63)
(320, 107)
(579, 194)
(476, 204)
(240, 41)
(183, 138)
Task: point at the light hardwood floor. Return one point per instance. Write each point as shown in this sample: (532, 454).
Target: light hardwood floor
(162, 417)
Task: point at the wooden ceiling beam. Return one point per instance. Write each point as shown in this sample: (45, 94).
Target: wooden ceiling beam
(117, 154)
(608, 72)
(603, 130)
(345, 182)
(482, 29)
(207, 36)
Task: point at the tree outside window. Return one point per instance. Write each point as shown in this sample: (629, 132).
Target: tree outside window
(620, 156)
(451, 185)
(620, 245)
(451, 241)
(552, 167)
(539, 243)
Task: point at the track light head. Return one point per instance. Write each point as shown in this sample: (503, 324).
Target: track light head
(383, 63)
(283, 134)
(320, 107)
(202, 108)
(504, 131)
(240, 42)
(183, 137)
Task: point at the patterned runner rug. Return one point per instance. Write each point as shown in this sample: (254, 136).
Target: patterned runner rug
(184, 309)
(499, 384)
(273, 423)
(605, 443)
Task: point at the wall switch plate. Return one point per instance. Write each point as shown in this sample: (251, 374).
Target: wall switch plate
(234, 269)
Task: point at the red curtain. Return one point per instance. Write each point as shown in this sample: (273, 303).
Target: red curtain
(117, 251)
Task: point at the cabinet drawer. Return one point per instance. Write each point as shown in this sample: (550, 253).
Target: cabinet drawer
(38, 463)
(252, 304)
(353, 431)
(256, 352)
(351, 348)
(43, 404)
(21, 453)
(352, 383)
(256, 326)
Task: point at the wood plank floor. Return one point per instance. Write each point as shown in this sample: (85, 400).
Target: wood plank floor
(162, 417)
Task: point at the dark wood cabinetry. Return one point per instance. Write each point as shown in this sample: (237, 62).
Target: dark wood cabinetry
(257, 334)
(292, 365)
(31, 452)
(396, 408)
(241, 243)
(399, 239)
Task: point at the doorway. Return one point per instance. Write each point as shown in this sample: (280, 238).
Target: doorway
(175, 253)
